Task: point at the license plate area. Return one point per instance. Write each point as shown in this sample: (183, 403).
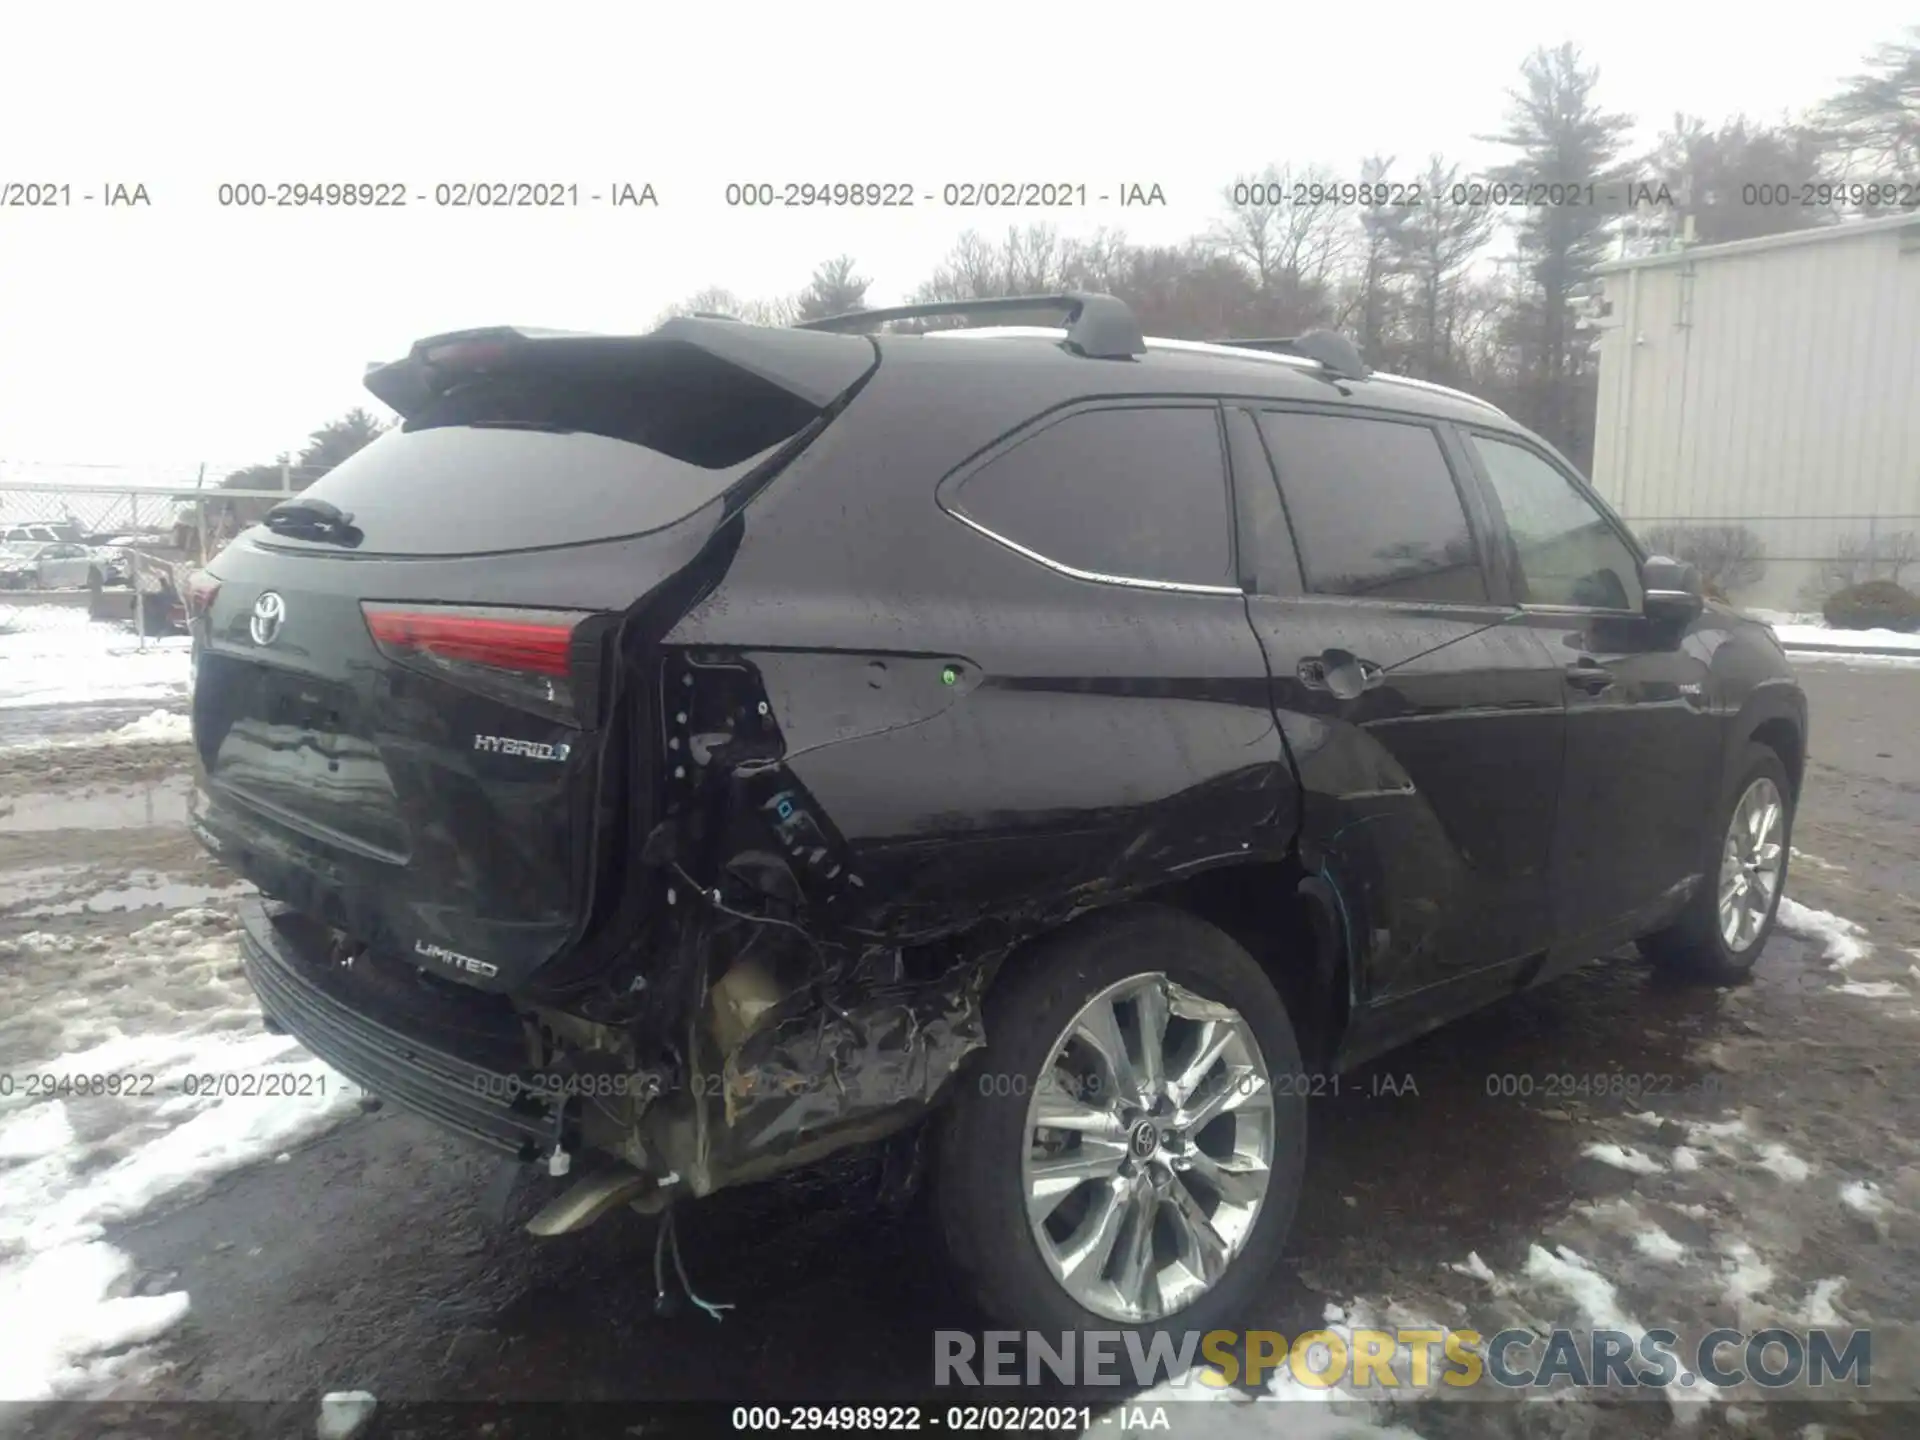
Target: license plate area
(302, 705)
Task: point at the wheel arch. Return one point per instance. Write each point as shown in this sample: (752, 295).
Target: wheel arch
(1288, 919)
(1775, 716)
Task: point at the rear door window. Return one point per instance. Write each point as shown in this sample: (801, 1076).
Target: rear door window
(1567, 551)
(1374, 508)
(1127, 494)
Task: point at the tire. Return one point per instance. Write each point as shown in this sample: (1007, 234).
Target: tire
(1697, 945)
(984, 1140)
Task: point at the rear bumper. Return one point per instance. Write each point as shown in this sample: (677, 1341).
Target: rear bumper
(451, 1060)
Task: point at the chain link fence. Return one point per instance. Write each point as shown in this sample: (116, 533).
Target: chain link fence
(93, 551)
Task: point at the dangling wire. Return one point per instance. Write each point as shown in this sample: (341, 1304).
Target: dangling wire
(667, 1240)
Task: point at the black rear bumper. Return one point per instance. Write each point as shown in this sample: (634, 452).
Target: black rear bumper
(447, 1057)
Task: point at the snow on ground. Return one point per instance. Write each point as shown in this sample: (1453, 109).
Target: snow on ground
(1799, 629)
(1843, 941)
(60, 657)
(156, 727)
(108, 1112)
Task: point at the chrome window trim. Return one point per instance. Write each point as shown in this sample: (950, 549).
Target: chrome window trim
(1130, 582)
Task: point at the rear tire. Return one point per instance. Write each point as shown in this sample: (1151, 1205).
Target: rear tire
(988, 1176)
(1719, 942)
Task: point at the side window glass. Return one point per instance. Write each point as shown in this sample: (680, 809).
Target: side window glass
(1568, 553)
(1374, 508)
(1268, 561)
(1134, 494)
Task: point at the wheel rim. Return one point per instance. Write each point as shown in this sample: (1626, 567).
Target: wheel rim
(1752, 860)
(1149, 1146)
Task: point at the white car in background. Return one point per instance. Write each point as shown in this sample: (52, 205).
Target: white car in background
(41, 566)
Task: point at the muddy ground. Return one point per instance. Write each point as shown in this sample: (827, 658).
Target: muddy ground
(363, 1260)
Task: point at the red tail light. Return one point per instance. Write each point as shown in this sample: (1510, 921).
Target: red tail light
(541, 648)
(202, 588)
(524, 657)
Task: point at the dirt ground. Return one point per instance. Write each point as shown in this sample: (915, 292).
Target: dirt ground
(1777, 1179)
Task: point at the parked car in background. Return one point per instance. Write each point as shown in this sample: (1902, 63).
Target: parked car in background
(111, 566)
(36, 534)
(58, 566)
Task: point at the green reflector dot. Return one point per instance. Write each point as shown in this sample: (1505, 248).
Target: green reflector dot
(949, 676)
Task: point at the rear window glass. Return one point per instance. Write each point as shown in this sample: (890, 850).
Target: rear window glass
(1128, 494)
(477, 490)
(596, 444)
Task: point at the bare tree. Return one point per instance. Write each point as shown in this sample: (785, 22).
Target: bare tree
(1029, 261)
(1728, 557)
(1437, 247)
(1874, 120)
(717, 300)
(1374, 305)
(1290, 251)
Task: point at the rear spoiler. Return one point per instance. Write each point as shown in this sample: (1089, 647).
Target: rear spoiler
(812, 366)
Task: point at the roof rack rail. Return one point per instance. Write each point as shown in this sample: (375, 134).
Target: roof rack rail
(1332, 351)
(1100, 327)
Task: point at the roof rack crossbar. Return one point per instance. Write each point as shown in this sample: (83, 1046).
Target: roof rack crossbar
(1333, 352)
(1101, 327)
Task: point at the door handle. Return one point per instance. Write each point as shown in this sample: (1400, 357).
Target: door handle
(1338, 672)
(1589, 676)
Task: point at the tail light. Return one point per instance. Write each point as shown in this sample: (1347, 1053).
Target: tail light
(523, 657)
(202, 589)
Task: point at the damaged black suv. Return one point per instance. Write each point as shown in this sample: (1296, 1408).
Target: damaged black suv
(674, 759)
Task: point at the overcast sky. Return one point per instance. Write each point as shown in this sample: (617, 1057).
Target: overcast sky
(185, 332)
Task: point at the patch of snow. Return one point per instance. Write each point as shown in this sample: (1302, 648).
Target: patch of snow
(1797, 632)
(86, 663)
(1624, 1158)
(344, 1414)
(1872, 989)
(1819, 1309)
(169, 1004)
(1783, 1162)
(1475, 1266)
(1710, 1131)
(1842, 939)
(1656, 1244)
(1801, 857)
(1863, 1197)
(60, 1317)
(1686, 1159)
(35, 1132)
(156, 727)
(1590, 1291)
(1857, 659)
(1747, 1275)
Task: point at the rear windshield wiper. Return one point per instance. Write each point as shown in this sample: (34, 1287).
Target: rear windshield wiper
(313, 520)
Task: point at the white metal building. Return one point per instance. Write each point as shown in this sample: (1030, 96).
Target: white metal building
(1770, 383)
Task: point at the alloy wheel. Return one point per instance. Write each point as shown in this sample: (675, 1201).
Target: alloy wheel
(1752, 860)
(1150, 1142)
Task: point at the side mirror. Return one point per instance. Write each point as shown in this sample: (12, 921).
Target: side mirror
(1672, 590)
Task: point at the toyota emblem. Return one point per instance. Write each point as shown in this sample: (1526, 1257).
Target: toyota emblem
(269, 613)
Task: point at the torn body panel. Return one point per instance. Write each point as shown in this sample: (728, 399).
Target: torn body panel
(835, 866)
